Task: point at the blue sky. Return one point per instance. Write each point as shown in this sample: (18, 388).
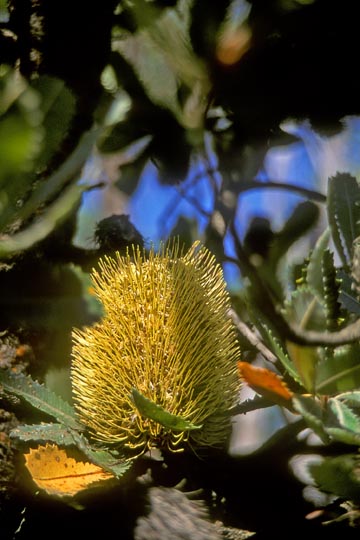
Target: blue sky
(154, 208)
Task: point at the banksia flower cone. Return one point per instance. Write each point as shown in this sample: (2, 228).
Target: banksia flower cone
(165, 335)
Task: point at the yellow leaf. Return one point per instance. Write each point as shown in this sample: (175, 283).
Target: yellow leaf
(56, 473)
(305, 360)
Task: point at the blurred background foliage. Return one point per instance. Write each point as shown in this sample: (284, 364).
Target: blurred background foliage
(235, 122)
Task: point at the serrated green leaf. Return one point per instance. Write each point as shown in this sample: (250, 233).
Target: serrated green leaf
(59, 434)
(277, 348)
(108, 461)
(352, 398)
(312, 413)
(322, 280)
(339, 372)
(314, 276)
(40, 397)
(344, 415)
(343, 209)
(111, 461)
(56, 433)
(151, 410)
(336, 475)
(341, 423)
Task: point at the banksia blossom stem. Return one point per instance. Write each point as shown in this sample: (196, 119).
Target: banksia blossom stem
(165, 333)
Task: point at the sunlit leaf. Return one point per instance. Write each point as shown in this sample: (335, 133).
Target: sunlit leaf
(305, 359)
(58, 474)
(21, 137)
(20, 125)
(151, 410)
(345, 416)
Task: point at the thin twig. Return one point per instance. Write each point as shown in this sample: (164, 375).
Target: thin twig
(308, 193)
(252, 337)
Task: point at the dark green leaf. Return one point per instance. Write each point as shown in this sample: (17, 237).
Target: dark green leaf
(344, 214)
(151, 410)
(61, 177)
(57, 105)
(299, 223)
(337, 476)
(39, 397)
(322, 280)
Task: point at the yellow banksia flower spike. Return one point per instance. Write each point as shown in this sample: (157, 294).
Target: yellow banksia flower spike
(166, 344)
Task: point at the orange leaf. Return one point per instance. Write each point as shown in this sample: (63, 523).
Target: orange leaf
(266, 383)
(58, 474)
(233, 44)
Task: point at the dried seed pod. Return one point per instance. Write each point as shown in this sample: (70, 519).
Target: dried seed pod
(166, 334)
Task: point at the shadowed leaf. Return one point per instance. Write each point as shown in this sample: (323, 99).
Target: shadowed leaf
(56, 433)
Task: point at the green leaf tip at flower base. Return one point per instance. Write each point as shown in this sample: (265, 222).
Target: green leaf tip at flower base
(166, 333)
(155, 412)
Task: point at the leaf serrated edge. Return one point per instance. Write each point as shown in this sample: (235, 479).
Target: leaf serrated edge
(40, 397)
(43, 432)
(342, 183)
